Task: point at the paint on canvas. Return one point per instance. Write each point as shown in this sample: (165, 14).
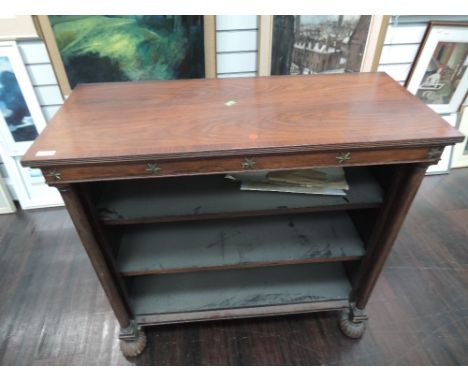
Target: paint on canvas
(318, 44)
(130, 48)
(13, 105)
(444, 72)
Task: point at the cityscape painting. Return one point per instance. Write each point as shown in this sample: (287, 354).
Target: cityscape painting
(318, 44)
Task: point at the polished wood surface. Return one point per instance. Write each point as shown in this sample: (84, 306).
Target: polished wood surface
(222, 165)
(168, 129)
(131, 121)
(53, 310)
(392, 215)
(74, 204)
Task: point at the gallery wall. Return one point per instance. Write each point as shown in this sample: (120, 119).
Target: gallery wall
(236, 55)
(237, 38)
(404, 35)
(236, 46)
(42, 76)
(402, 40)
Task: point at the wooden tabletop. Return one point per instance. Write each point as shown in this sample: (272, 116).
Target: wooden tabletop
(111, 122)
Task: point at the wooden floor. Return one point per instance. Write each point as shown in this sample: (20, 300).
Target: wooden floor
(53, 312)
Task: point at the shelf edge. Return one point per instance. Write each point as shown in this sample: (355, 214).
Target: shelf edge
(239, 313)
(224, 215)
(241, 266)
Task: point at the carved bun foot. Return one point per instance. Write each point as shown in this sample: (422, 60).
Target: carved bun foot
(133, 347)
(352, 324)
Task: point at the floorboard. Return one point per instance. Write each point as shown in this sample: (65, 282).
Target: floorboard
(53, 311)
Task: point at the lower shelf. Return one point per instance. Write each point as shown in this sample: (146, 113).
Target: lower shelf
(238, 293)
(233, 243)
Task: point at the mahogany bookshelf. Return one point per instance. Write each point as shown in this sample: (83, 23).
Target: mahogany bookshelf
(141, 169)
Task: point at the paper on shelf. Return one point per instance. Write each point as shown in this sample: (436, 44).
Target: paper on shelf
(326, 181)
(327, 177)
(259, 186)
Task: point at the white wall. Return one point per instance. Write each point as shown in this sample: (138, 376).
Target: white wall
(237, 50)
(236, 53)
(402, 41)
(41, 74)
(236, 46)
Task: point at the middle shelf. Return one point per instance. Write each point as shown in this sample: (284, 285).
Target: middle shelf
(236, 243)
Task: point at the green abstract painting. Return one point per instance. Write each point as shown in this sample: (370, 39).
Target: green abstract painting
(130, 48)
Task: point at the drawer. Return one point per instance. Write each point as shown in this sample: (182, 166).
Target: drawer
(178, 167)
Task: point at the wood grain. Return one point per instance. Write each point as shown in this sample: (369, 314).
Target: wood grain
(221, 165)
(112, 122)
(397, 205)
(82, 224)
(169, 129)
(53, 310)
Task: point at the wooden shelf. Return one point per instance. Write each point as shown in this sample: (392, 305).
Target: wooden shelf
(205, 197)
(238, 293)
(234, 243)
(181, 243)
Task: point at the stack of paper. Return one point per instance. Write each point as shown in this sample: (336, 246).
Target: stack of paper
(324, 181)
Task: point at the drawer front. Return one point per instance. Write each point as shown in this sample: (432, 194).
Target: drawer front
(177, 167)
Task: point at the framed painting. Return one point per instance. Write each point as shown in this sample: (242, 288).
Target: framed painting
(439, 76)
(460, 151)
(86, 49)
(320, 44)
(21, 118)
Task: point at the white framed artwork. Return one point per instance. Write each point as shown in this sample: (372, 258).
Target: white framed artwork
(460, 151)
(439, 75)
(20, 111)
(21, 121)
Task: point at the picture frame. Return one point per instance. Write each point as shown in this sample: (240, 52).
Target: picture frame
(29, 185)
(21, 118)
(6, 203)
(372, 51)
(445, 163)
(460, 150)
(46, 32)
(439, 75)
(21, 121)
(17, 27)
